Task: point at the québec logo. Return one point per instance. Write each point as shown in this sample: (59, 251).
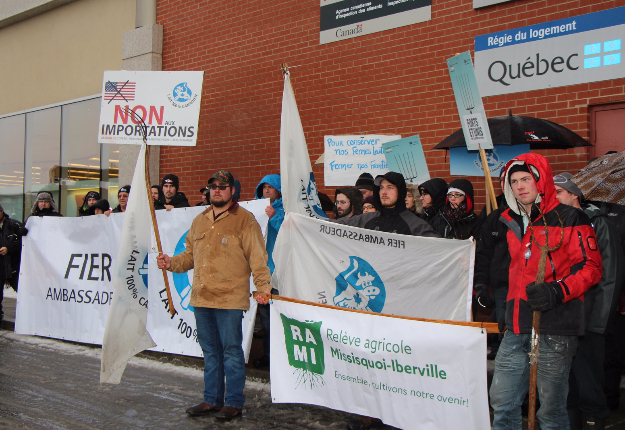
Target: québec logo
(360, 287)
(182, 281)
(182, 96)
(304, 347)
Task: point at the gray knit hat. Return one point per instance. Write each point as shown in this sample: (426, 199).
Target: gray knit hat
(564, 180)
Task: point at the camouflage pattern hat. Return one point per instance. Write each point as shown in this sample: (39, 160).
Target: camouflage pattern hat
(223, 176)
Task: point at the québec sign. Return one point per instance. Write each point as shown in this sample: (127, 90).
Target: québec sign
(580, 49)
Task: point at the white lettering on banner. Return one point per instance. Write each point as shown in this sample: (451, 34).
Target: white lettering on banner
(358, 362)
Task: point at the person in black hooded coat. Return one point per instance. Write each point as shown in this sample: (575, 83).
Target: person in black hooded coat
(460, 220)
(432, 195)
(391, 216)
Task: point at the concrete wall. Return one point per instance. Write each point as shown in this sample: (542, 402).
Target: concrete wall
(60, 55)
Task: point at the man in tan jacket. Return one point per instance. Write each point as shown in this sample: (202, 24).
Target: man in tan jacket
(223, 246)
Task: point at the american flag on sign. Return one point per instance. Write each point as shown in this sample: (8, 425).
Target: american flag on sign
(119, 91)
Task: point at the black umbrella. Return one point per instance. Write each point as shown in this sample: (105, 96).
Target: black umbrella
(517, 130)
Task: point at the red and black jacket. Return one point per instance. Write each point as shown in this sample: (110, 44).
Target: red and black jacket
(574, 267)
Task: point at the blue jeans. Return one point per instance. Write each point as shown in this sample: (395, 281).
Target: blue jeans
(511, 380)
(219, 332)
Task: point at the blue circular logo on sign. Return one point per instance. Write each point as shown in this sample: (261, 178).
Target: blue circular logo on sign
(143, 271)
(360, 287)
(181, 280)
(182, 93)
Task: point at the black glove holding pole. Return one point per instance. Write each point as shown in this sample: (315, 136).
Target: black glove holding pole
(482, 296)
(545, 296)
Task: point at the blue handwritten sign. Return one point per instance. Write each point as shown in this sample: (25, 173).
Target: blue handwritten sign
(347, 157)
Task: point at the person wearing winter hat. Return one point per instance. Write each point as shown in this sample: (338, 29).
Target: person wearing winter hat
(157, 195)
(367, 205)
(364, 184)
(101, 207)
(122, 198)
(587, 402)
(44, 205)
(269, 187)
(432, 194)
(90, 198)
(205, 197)
(460, 220)
(413, 202)
(173, 197)
(347, 202)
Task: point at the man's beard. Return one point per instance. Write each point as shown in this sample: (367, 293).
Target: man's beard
(347, 213)
(222, 203)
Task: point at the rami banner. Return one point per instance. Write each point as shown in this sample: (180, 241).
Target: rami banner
(569, 51)
(410, 374)
(329, 263)
(66, 272)
(167, 102)
(346, 157)
(178, 334)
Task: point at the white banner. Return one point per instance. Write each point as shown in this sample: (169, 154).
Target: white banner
(65, 277)
(299, 190)
(178, 334)
(410, 374)
(167, 102)
(324, 262)
(66, 272)
(347, 157)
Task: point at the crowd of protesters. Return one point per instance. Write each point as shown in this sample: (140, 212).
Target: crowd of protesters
(578, 291)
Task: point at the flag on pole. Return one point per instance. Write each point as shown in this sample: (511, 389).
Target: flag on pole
(299, 190)
(125, 334)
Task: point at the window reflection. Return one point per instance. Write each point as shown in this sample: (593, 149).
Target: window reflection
(12, 130)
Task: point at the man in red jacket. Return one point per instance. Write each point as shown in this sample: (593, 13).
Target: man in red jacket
(536, 216)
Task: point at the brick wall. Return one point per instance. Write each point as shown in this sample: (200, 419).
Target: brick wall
(395, 81)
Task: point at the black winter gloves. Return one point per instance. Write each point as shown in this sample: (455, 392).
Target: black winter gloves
(482, 296)
(542, 297)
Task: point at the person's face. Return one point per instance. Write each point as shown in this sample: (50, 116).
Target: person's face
(409, 200)
(524, 188)
(455, 198)
(565, 197)
(205, 197)
(343, 205)
(270, 192)
(365, 193)
(91, 201)
(123, 199)
(388, 194)
(368, 207)
(169, 190)
(98, 211)
(43, 205)
(219, 197)
(426, 199)
(154, 193)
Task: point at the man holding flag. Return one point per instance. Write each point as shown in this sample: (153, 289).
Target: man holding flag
(224, 246)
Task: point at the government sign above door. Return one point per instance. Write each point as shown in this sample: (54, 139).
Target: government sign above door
(580, 49)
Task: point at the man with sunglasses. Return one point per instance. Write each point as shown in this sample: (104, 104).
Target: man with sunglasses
(223, 246)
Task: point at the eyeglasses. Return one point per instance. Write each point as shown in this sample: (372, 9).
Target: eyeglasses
(341, 202)
(221, 187)
(454, 195)
(367, 207)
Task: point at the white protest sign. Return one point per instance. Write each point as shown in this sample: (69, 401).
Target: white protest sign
(321, 261)
(167, 102)
(65, 277)
(178, 334)
(410, 374)
(347, 157)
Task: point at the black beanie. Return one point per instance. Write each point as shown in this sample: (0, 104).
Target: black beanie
(365, 181)
(124, 189)
(171, 179)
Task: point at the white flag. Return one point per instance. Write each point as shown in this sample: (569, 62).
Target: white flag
(125, 334)
(423, 277)
(299, 190)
